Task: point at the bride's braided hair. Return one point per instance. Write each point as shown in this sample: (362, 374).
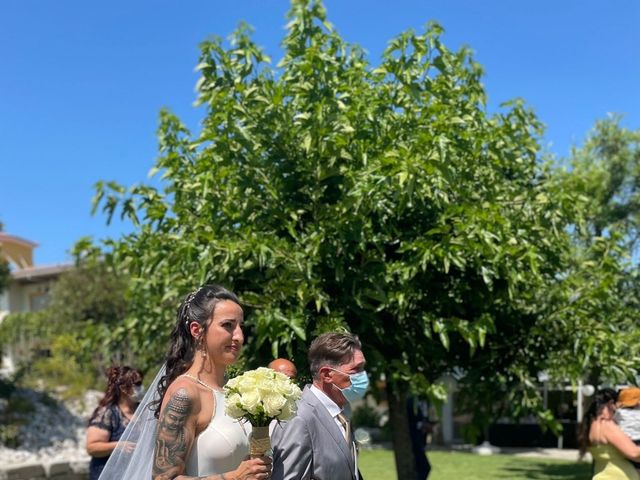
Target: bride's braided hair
(198, 307)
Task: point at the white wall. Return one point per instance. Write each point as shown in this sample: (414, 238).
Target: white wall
(21, 297)
(4, 303)
(28, 297)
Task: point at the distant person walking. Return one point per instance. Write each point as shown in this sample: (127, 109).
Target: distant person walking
(419, 427)
(112, 415)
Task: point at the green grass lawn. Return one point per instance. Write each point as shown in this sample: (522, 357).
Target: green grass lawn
(380, 465)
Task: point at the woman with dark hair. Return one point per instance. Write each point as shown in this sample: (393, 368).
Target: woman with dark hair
(195, 438)
(112, 415)
(610, 448)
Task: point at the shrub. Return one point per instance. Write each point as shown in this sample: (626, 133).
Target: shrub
(365, 416)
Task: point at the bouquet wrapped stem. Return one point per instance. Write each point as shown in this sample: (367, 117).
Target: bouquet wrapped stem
(259, 442)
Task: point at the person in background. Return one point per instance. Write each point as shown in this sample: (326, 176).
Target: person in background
(285, 366)
(610, 448)
(419, 427)
(112, 415)
(628, 415)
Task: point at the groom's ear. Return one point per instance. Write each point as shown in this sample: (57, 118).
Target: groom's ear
(325, 374)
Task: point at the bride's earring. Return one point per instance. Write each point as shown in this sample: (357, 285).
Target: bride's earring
(203, 349)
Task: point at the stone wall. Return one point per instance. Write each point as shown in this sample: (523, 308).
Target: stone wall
(45, 471)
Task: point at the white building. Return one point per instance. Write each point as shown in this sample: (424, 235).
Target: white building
(30, 285)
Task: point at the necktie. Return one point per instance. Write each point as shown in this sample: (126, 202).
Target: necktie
(344, 421)
(346, 424)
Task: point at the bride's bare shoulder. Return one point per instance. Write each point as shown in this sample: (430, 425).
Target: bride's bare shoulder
(182, 395)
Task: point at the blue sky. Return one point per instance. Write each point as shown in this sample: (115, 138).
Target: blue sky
(81, 83)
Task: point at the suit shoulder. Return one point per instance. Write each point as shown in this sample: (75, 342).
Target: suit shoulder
(305, 406)
(298, 425)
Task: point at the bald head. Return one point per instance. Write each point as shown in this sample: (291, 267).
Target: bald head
(283, 365)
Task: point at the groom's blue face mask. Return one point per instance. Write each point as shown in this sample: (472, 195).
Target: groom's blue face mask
(358, 387)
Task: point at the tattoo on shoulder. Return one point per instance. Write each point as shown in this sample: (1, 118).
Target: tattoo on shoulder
(174, 438)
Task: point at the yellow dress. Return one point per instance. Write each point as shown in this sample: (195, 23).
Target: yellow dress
(610, 464)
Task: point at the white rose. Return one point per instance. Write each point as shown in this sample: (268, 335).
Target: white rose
(232, 384)
(247, 382)
(232, 407)
(251, 401)
(273, 404)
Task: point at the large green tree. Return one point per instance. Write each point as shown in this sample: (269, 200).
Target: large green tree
(330, 193)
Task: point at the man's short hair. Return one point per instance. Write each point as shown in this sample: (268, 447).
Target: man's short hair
(333, 349)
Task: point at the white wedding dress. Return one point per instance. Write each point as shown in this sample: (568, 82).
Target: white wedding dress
(222, 446)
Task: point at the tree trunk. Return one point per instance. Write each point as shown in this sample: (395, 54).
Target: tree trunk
(405, 463)
(594, 377)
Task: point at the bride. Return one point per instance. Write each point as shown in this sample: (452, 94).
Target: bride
(183, 428)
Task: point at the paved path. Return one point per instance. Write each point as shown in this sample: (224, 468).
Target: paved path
(568, 454)
(550, 453)
(555, 453)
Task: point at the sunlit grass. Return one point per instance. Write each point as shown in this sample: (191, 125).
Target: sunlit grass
(380, 465)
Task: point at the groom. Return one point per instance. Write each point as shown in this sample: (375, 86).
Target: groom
(318, 442)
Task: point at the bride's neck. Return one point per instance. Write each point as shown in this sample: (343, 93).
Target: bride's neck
(208, 372)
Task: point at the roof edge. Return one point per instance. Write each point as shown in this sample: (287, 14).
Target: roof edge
(5, 237)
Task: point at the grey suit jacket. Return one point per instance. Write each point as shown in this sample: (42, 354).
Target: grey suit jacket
(311, 445)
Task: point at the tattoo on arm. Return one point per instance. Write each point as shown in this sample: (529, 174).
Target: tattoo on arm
(174, 437)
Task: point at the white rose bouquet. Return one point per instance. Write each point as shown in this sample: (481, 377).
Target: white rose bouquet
(260, 396)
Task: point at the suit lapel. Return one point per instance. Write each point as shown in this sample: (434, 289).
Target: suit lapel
(327, 422)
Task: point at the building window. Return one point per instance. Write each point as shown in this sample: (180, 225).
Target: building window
(38, 301)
